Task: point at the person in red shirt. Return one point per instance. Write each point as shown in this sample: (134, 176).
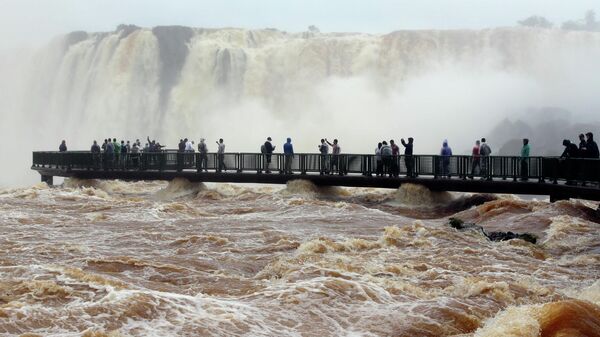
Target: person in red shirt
(476, 160)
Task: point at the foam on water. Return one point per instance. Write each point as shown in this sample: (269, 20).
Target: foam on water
(420, 196)
(84, 261)
(178, 188)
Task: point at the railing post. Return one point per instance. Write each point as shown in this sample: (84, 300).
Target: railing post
(161, 160)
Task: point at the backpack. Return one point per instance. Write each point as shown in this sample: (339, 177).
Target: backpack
(263, 149)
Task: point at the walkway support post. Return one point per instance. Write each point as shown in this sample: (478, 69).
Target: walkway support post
(48, 180)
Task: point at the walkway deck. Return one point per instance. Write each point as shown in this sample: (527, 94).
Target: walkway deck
(546, 176)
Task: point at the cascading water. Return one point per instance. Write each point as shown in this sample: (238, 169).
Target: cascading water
(173, 81)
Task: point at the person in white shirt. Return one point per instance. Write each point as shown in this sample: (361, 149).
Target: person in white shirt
(221, 155)
(189, 147)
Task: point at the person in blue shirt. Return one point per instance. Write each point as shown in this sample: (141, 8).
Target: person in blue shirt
(446, 152)
(288, 151)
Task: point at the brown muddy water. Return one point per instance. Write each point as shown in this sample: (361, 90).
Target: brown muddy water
(109, 258)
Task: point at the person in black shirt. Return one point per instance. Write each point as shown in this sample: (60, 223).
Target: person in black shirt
(591, 147)
(408, 156)
(582, 146)
(95, 149)
(571, 150)
(569, 167)
(269, 148)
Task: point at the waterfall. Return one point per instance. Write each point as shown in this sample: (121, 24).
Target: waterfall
(243, 85)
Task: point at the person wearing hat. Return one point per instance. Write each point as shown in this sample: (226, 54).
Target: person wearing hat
(269, 148)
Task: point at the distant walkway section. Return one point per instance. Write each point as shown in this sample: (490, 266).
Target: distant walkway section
(552, 176)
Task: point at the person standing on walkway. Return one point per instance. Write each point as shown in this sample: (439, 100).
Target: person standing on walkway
(95, 150)
(386, 157)
(475, 159)
(124, 151)
(189, 152)
(117, 151)
(269, 148)
(135, 154)
(408, 156)
(324, 150)
(288, 151)
(582, 146)
(485, 151)
(63, 146)
(446, 152)
(221, 155)
(591, 146)
(203, 149)
(525, 160)
(378, 160)
(109, 154)
(335, 156)
(394, 168)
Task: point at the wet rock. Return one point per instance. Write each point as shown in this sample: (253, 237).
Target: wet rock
(492, 236)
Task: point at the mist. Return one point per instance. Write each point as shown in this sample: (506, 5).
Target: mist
(244, 85)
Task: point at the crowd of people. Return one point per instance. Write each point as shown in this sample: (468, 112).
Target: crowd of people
(587, 147)
(118, 153)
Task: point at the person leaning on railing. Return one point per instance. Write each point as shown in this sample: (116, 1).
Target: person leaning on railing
(567, 165)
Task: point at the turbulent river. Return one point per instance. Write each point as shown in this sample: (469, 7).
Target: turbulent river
(100, 258)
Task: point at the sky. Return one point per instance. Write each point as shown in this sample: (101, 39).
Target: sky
(32, 23)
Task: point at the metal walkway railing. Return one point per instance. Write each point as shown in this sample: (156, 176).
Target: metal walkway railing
(541, 169)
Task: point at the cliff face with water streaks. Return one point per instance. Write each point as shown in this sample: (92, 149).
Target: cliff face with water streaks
(177, 78)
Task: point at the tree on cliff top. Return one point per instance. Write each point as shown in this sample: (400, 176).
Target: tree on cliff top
(588, 23)
(536, 21)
